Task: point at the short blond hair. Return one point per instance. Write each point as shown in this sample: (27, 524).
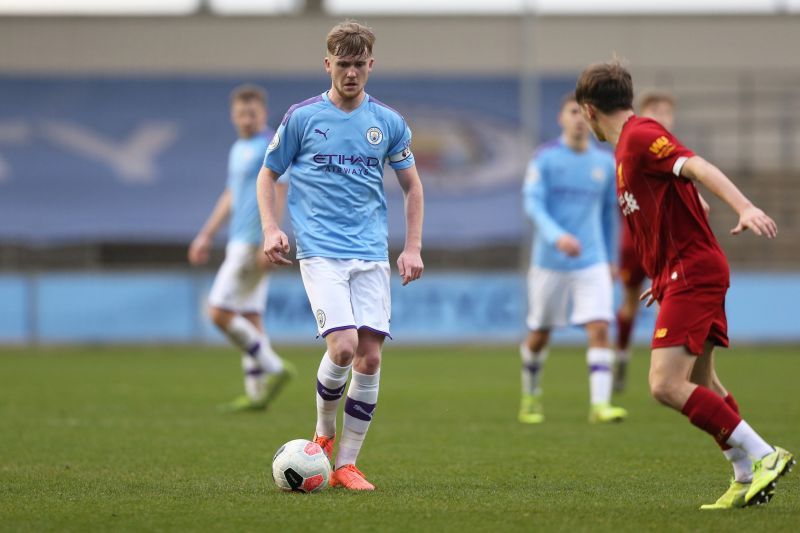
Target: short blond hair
(652, 98)
(349, 38)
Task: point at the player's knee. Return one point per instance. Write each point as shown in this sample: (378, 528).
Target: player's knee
(662, 389)
(368, 363)
(342, 347)
(220, 317)
(537, 340)
(597, 332)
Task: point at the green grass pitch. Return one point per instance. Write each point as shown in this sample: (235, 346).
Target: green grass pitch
(128, 439)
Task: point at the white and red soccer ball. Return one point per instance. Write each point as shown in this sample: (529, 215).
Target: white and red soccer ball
(301, 466)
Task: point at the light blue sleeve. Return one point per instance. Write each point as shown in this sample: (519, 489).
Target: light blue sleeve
(284, 145)
(534, 193)
(229, 179)
(400, 155)
(611, 216)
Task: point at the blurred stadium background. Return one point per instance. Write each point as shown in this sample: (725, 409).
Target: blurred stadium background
(114, 134)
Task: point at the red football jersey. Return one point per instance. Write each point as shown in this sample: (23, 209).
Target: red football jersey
(670, 230)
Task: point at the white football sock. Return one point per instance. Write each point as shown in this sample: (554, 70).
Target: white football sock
(331, 380)
(532, 366)
(362, 396)
(254, 378)
(245, 336)
(742, 465)
(600, 376)
(747, 439)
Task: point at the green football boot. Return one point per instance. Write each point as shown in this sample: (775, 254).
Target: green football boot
(732, 499)
(276, 382)
(602, 412)
(766, 472)
(242, 404)
(531, 410)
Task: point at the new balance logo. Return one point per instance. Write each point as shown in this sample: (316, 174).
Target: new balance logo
(323, 133)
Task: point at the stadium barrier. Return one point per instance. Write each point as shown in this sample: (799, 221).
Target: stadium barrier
(442, 307)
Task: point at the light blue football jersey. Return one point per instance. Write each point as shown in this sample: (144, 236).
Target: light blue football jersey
(571, 192)
(336, 199)
(244, 164)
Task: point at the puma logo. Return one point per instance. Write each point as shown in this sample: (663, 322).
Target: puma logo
(361, 410)
(323, 133)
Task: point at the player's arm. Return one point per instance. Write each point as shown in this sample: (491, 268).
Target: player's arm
(534, 193)
(750, 216)
(270, 207)
(610, 221)
(201, 245)
(410, 261)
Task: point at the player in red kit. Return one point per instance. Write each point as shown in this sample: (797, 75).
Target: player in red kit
(659, 106)
(661, 207)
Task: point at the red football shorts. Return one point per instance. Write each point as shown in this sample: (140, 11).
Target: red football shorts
(631, 272)
(690, 317)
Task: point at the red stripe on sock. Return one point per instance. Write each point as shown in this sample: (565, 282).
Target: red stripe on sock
(712, 414)
(624, 327)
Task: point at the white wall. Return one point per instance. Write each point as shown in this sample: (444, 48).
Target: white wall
(207, 45)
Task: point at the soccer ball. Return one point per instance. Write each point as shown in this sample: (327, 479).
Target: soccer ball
(301, 466)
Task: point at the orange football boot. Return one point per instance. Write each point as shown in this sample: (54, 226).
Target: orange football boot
(326, 443)
(351, 478)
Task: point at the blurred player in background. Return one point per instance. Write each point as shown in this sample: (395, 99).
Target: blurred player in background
(659, 106)
(238, 297)
(570, 197)
(337, 144)
(659, 201)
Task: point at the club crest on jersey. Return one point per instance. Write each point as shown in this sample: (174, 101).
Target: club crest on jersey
(275, 142)
(374, 135)
(627, 202)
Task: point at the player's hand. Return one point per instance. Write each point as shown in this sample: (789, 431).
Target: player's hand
(410, 265)
(569, 245)
(755, 219)
(614, 270)
(276, 244)
(648, 295)
(200, 249)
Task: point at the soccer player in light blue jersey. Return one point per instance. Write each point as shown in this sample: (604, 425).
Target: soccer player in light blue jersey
(570, 196)
(337, 144)
(238, 297)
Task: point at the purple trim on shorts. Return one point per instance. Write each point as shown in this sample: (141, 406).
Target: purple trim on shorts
(295, 107)
(360, 410)
(254, 372)
(329, 394)
(338, 328)
(373, 330)
(533, 368)
(599, 368)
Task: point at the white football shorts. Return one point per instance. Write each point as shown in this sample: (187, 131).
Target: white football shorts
(348, 293)
(571, 297)
(240, 284)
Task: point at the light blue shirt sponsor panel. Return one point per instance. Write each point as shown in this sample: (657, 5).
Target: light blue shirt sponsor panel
(244, 164)
(571, 192)
(336, 198)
